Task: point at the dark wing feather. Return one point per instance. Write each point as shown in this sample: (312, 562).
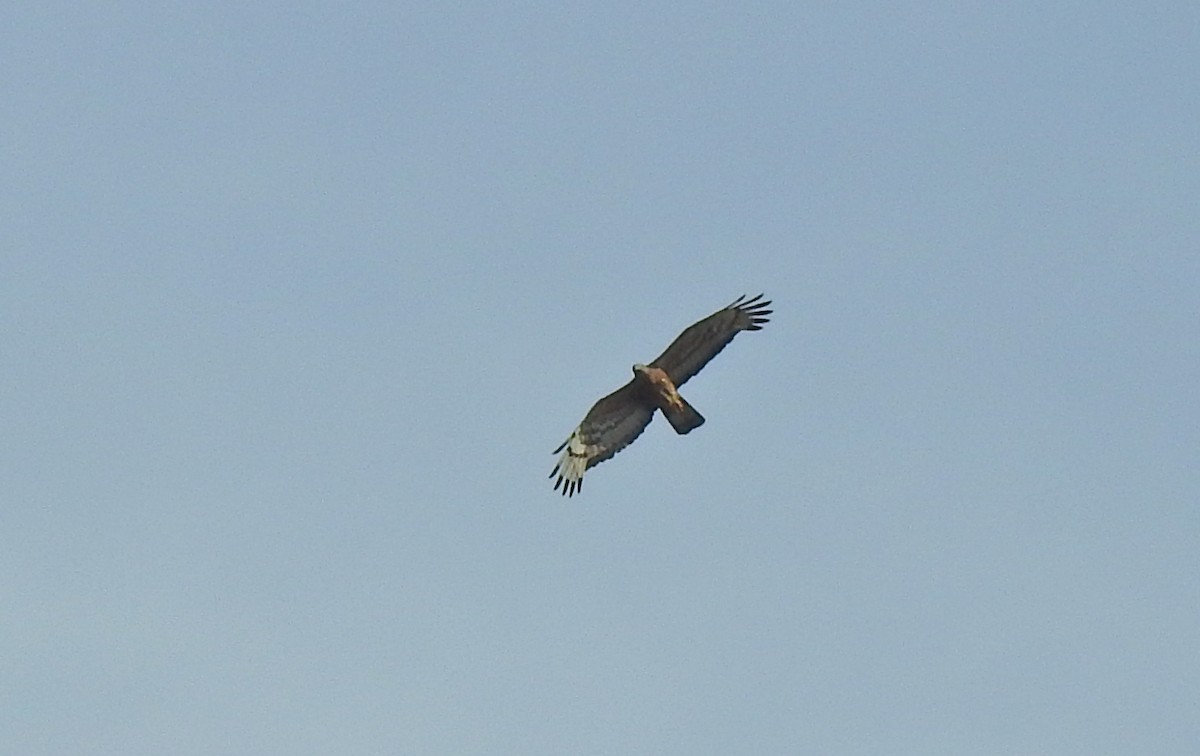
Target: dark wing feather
(610, 425)
(705, 340)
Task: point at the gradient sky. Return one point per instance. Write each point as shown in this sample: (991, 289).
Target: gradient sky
(297, 299)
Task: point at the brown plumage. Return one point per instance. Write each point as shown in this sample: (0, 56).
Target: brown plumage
(618, 419)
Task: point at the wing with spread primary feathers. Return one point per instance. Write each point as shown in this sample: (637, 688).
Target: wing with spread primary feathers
(704, 340)
(610, 425)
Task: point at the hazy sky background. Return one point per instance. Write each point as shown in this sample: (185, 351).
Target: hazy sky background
(297, 298)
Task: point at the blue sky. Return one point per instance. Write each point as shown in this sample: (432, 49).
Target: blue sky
(298, 298)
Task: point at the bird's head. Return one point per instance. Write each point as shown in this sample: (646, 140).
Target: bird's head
(639, 368)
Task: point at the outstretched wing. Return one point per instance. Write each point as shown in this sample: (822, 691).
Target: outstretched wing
(705, 340)
(610, 425)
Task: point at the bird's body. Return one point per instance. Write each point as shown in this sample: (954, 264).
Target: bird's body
(655, 386)
(616, 420)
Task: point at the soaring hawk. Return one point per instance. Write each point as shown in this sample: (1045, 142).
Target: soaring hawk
(616, 420)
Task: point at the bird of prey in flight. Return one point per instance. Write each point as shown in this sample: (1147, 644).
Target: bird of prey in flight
(616, 420)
